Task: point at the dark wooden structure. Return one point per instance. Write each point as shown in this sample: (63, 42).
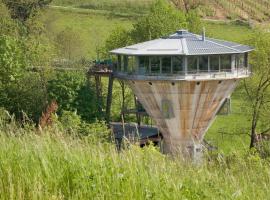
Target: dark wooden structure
(133, 132)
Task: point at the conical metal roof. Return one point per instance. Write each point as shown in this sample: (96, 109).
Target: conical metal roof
(183, 42)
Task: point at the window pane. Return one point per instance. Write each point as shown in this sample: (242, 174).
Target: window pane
(125, 63)
(192, 64)
(203, 63)
(166, 65)
(177, 64)
(214, 63)
(143, 64)
(225, 62)
(246, 60)
(119, 63)
(131, 64)
(155, 65)
(239, 61)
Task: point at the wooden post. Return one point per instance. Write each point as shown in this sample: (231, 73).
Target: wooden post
(109, 99)
(99, 92)
(137, 111)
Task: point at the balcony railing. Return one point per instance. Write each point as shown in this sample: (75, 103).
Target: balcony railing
(187, 75)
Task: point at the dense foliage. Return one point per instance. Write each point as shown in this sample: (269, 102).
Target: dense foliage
(74, 93)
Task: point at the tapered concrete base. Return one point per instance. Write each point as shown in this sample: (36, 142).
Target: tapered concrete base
(186, 150)
(183, 110)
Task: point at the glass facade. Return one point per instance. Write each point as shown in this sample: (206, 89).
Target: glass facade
(214, 63)
(192, 64)
(240, 61)
(155, 65)
(178, 64)
(143, 64)
(173, 65)
(203, 64)
(166, 65)
(225, 63)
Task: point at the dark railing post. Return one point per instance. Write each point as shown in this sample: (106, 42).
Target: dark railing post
(109, 99)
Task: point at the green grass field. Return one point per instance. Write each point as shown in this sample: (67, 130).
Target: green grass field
(91, 28)
(53, 165)
(119, 6)
(59, 163)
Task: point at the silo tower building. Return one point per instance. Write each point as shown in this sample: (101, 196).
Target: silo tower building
(182, 80)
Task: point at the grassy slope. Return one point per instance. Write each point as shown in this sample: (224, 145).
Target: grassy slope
(222, 9)
(54, 166)
(92, 28)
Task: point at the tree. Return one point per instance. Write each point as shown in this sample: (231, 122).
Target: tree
(257, 87)
(73, 93)
(119, 37)
(24, 9)
(7, 25)
(194, 22)
(17, 93)
(162, 20)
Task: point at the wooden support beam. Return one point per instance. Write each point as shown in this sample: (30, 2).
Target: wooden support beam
(99, 92)
(109, 99)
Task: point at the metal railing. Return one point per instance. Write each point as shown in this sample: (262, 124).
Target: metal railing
(201, 74)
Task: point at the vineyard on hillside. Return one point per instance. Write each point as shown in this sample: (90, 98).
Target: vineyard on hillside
(217, 9)
(244, 9)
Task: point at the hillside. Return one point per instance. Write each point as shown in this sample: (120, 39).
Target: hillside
(214, 9)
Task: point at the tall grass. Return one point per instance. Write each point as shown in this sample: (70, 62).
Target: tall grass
(54, 165)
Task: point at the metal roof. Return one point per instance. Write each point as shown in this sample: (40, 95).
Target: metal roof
(183, 42)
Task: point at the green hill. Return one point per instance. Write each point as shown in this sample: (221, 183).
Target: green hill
(215, 9)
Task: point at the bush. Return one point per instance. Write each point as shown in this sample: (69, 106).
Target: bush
(73, 125)
(73, 92)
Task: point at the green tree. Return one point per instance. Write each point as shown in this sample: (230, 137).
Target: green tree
(162, 20)
(257, 87)
(21, 89)
(119, 37)
(24, 9)
(73, 93)
(7, 25)
(194, 22)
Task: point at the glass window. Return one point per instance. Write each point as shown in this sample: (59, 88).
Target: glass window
(246, 60)
(131, 64)
(125, 63)
(239, 61)
(214, 63)
(155, 65)
(192, 64)
(203, 63)
(225, 62)
(143, 64)
(177, 64)
(119, 63)
(166, 65)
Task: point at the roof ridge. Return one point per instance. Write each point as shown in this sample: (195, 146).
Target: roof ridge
(223, 45)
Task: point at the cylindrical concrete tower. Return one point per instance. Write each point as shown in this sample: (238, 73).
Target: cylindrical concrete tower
(182, 81)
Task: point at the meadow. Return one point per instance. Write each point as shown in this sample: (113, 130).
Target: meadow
(56, 165)
(74, 156)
